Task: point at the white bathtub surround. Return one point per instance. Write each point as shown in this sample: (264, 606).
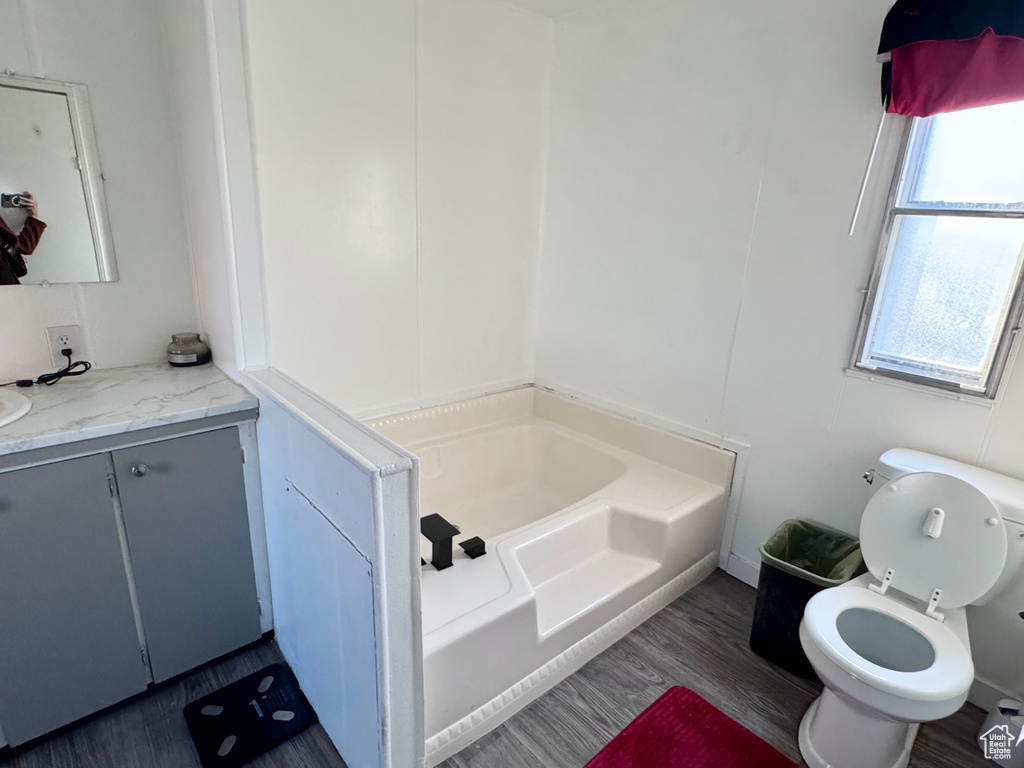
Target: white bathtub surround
(419, 223)
(593, 523)
(118, 400)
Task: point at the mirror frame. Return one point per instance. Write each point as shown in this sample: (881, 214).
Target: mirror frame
(79, 111)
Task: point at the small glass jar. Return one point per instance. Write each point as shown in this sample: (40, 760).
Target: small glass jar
(187, 349)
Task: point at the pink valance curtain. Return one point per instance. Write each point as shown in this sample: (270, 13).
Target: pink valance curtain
(948, 55)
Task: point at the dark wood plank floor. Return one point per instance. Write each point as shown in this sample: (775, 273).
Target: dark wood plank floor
(149, 731)
(699, 641)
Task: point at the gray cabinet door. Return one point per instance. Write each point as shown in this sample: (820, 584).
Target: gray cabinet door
(68, 641)
(188, 535)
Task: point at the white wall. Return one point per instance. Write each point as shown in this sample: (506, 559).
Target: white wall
(207, 71)
(483, 73)
(190, 75)
(115, 48)
(400, 173)
(558, 9)
(656, 150)
(704, 163)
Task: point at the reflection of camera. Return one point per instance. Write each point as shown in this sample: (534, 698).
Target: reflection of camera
(13, 200)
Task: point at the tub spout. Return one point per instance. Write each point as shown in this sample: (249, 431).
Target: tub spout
(439, 533)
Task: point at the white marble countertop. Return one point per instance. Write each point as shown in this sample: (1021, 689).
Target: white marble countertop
(118, 400)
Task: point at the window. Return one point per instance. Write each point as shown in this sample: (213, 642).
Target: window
(943, 304)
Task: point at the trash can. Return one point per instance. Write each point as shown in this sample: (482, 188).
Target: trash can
(799, 559)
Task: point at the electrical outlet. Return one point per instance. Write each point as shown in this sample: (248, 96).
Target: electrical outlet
(64, 337)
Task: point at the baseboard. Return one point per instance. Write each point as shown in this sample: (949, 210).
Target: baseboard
(742, 569)
(985, 694)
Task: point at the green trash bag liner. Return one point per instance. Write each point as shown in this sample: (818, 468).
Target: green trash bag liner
(813, 551)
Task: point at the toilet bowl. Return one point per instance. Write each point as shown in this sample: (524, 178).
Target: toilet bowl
(886, 667)
(892, 646)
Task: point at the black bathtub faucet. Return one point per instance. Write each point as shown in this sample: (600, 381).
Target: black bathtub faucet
(439, 533)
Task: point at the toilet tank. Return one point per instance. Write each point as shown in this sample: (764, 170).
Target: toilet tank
(1005, 492)
(995, 622)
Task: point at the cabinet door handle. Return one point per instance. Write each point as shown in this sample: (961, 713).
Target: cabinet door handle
(140, 470)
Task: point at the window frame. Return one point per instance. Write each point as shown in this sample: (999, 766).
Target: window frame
(1012, 325)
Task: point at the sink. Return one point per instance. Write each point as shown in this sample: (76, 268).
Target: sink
(12, 406)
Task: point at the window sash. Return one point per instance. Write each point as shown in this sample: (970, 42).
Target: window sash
(907, 166)
(909, 171)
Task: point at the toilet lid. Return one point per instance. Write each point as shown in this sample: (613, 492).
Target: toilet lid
(964, 561)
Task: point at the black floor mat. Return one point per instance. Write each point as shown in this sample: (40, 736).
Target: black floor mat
(243, 720)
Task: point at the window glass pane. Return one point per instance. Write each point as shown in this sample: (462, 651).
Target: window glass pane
(946, 288)
(970, 159)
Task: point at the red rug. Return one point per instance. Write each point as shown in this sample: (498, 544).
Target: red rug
(681, 730)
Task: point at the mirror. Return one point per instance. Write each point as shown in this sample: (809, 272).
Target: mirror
(48, 150)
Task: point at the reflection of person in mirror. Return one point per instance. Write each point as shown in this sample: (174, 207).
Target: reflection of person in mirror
(14, 246)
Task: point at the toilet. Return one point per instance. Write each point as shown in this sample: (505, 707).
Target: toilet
(891, 646)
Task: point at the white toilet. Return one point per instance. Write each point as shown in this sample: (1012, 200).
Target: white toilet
(891, 646)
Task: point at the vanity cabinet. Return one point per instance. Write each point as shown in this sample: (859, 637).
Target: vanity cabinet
(120, 568)
(185, 514)
(68, 641)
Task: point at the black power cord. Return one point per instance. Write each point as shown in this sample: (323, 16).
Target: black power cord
(76, 368)
(71, 369)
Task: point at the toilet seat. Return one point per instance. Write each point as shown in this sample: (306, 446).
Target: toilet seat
(949, 676)
(951, 565)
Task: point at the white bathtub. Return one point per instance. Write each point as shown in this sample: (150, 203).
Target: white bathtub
(593, 523)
